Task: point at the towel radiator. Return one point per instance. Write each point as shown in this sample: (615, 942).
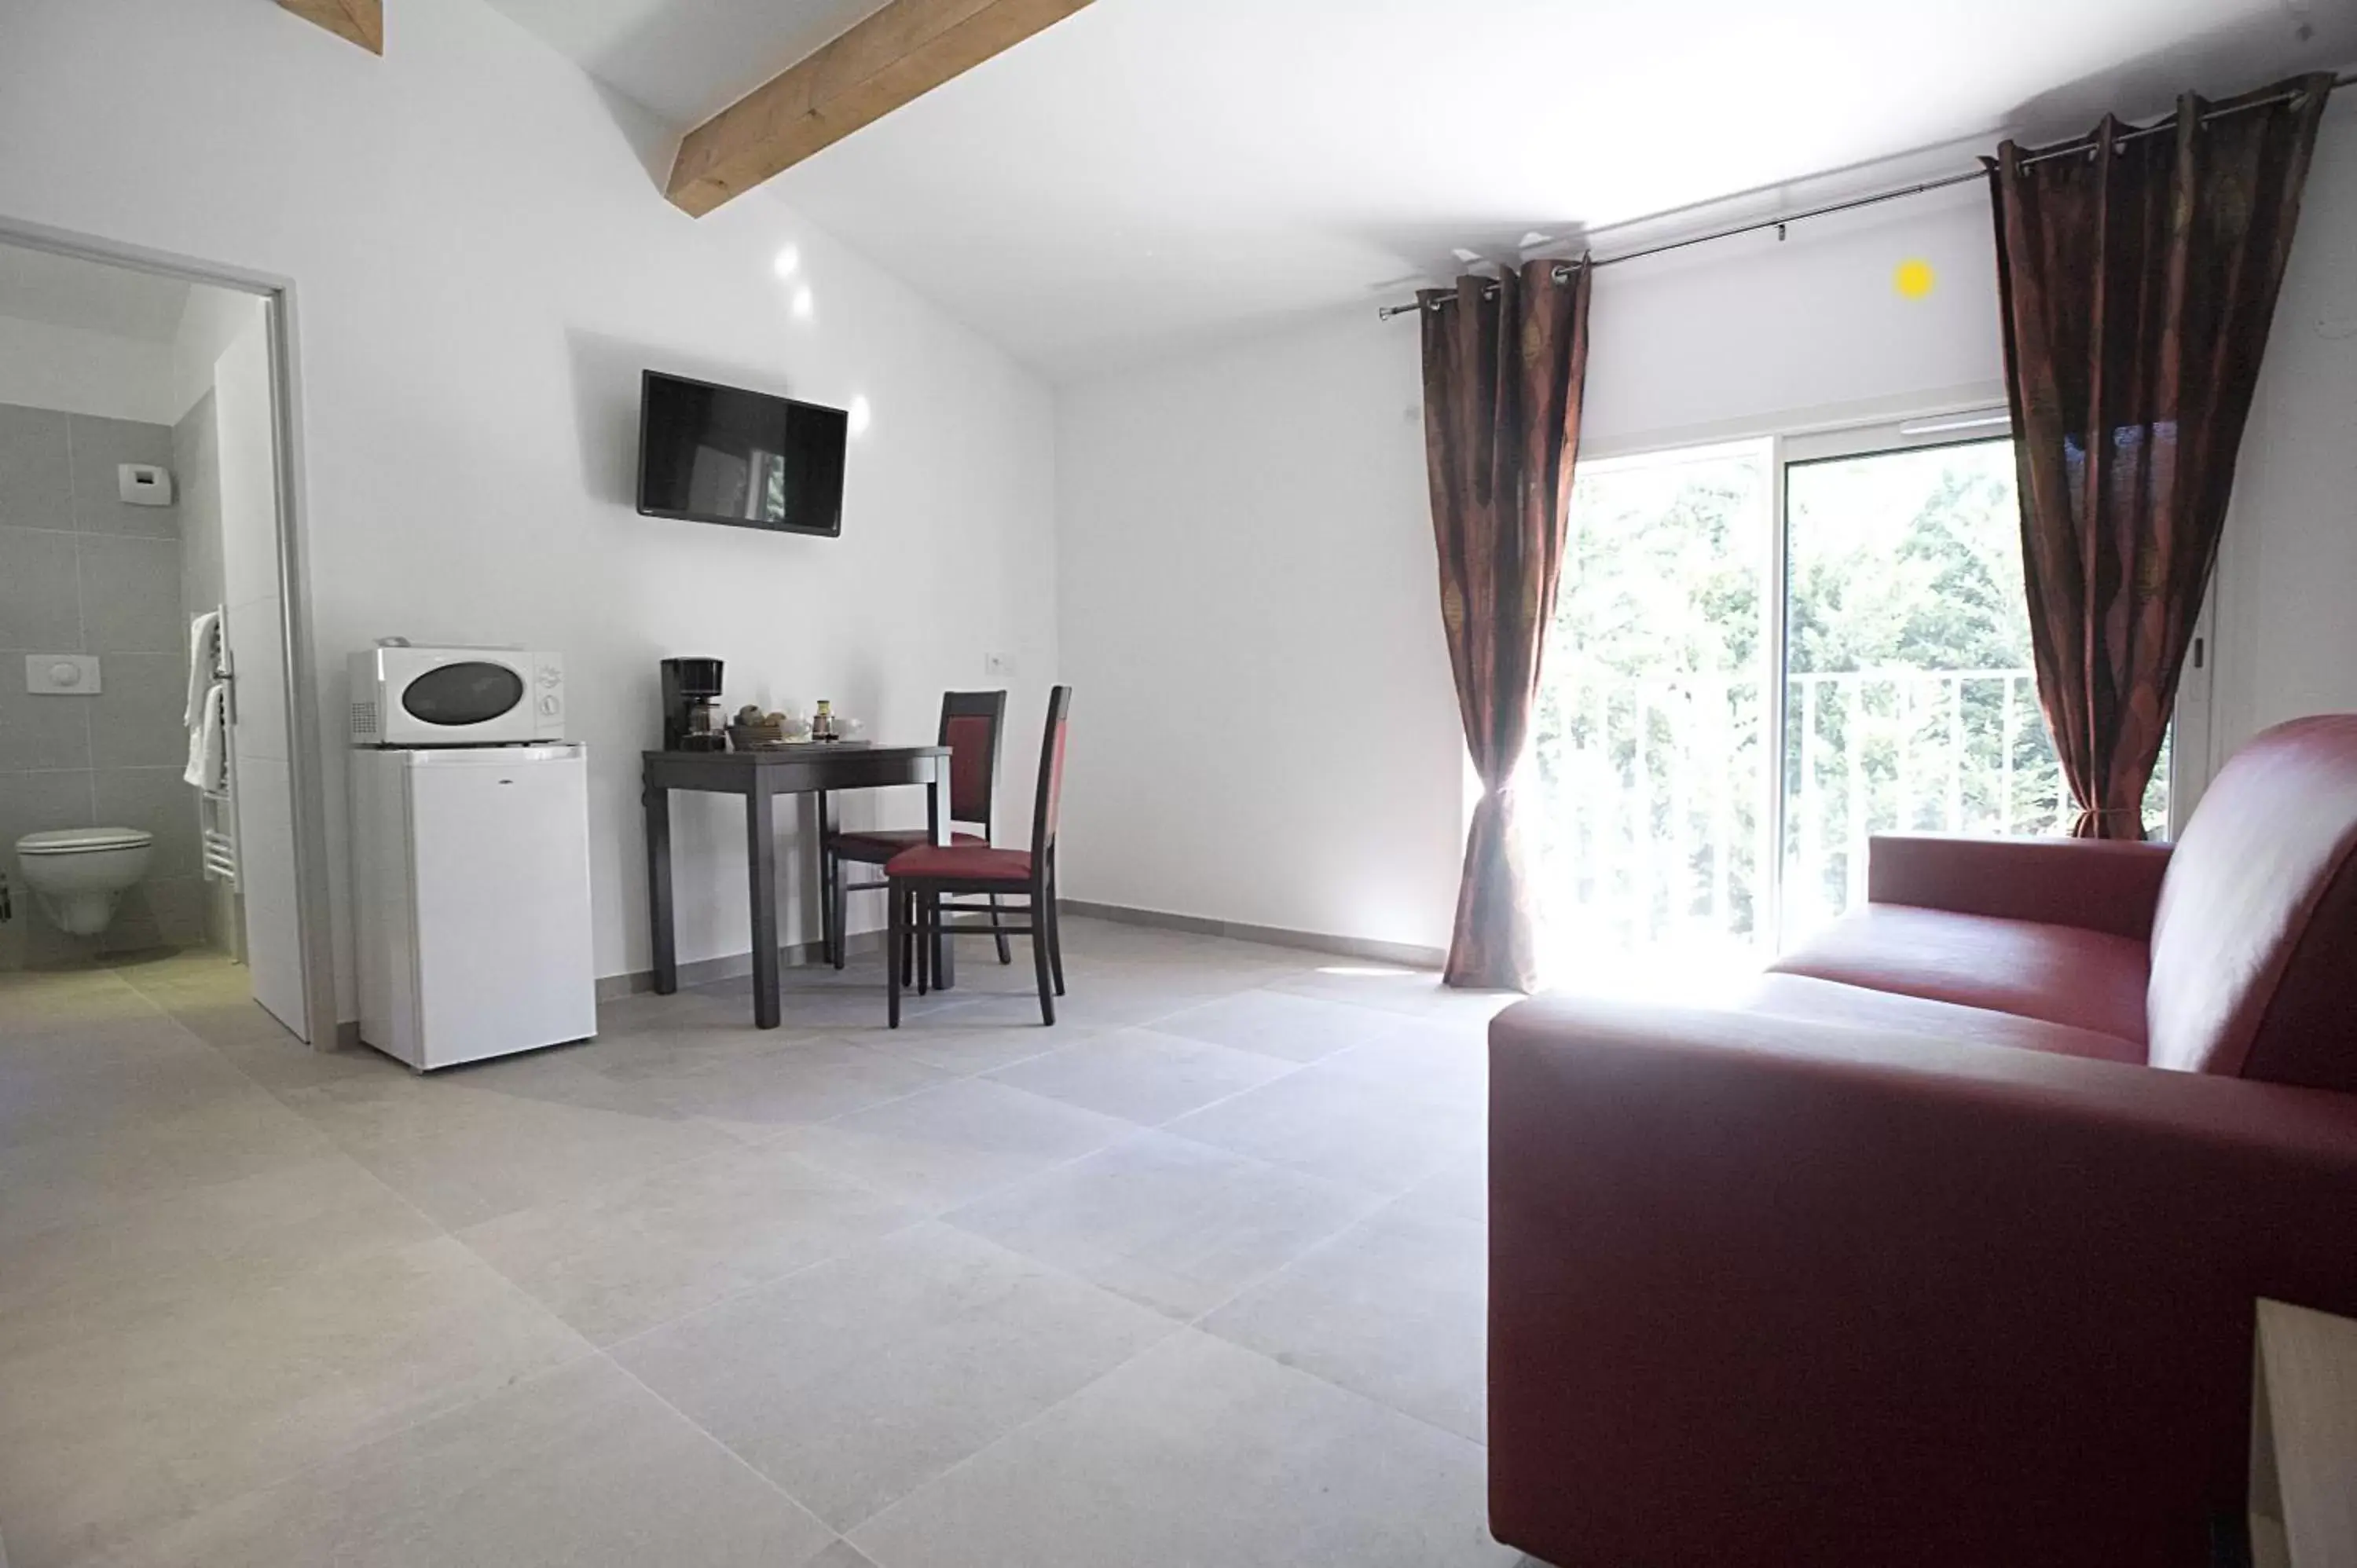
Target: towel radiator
(217, 808)
(217, 827)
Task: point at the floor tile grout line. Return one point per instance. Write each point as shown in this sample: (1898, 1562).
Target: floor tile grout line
(339, 1150)
(1178, 1328)
(715, 1439)
(321, 1461)
(1379, 1203)
(1350, 1228)
(432, 1413)
(1172, 1326)
(941, 1217)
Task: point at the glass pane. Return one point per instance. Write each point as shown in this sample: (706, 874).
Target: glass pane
(1910, 703)
(1646, 804)
(466, 693)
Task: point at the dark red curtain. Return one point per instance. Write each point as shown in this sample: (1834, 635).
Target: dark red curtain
(2138, 274)
(1504, 359)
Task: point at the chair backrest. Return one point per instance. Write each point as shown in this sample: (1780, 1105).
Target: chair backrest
(2255, 944)
(1045, 808)
(972, 722)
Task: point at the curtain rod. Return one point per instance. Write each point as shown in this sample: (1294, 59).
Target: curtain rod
(1565, 269)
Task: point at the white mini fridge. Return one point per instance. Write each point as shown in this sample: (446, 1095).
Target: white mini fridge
(471, 872)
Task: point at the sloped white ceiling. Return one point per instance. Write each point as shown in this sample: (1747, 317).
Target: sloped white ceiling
(1152, 170)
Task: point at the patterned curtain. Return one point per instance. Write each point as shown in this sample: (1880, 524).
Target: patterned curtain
(1504, 359)
(2137, 278)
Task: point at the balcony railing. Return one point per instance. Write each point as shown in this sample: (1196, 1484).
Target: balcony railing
(1650, 815)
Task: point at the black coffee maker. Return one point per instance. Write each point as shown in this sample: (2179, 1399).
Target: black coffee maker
(691, 705)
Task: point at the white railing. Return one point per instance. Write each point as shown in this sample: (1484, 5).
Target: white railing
(1649, 809)
(1956, 751)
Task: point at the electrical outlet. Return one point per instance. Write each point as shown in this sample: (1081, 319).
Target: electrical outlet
(998, 667)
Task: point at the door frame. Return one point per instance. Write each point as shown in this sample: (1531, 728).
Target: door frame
(305, 760)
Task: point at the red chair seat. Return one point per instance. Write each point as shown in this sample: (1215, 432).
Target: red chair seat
(961, 863)
(880, 844)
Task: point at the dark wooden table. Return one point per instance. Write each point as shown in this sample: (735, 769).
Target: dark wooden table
(761, 777)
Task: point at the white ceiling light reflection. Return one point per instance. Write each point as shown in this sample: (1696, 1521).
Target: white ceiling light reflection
(788, 262)
(860, 415)
(804, 305)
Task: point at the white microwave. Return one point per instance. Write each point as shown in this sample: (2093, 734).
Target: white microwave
(457, 696)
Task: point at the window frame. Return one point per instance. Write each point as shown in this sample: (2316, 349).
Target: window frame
(2189, 754)
(1862, 431)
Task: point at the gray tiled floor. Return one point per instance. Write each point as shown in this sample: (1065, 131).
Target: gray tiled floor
(1194, 1277)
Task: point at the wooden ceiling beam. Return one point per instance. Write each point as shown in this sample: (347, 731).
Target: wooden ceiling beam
(361, 21)
(897, 55)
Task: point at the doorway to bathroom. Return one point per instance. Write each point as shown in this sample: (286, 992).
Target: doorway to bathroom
(157, 816)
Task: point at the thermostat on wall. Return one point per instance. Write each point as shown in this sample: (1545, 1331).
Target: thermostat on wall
(145, 484)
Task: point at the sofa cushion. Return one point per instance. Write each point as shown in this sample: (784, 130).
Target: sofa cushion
(2255, 943)
(2063, 974)
(1807, 1000)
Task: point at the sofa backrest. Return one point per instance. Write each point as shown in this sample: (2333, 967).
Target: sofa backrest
(2254, 945)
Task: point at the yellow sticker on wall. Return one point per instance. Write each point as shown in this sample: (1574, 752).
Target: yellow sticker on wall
(1914, 279)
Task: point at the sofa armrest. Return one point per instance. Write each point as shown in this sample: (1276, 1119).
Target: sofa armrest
(1767, 1292)
(2102, 885)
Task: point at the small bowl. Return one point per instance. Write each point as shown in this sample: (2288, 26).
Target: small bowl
(752, 737)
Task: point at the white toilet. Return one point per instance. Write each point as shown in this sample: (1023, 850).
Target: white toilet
(80, 874)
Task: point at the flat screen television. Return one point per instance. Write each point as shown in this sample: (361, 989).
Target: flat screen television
(715, 454)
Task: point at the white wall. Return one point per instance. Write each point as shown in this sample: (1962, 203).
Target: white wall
(79, 371)
(483, 263)
(2287, 623)
(1251, 608)
(1747, 334)
(213, 320)
(1248, 606)
(1262, 724)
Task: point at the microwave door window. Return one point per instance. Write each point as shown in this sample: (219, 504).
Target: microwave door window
(459, 695)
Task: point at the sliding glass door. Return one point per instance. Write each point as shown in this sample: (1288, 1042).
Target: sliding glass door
(1910, 702)
(1647, 824)
(1849, 606)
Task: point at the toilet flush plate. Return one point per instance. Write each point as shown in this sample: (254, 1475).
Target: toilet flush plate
(62, 674)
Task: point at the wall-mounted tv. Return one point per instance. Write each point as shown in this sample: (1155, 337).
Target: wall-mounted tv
(715, 454)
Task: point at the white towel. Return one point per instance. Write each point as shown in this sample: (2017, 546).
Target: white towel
(207, 767)
(204, 663)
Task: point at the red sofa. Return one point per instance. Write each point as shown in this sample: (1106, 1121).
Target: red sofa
(1942, 1248)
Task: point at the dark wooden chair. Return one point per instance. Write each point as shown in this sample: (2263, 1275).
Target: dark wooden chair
(971, 725)
(922, 877)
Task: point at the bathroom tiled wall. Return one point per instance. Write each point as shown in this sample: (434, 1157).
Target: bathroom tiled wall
(82, 572)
